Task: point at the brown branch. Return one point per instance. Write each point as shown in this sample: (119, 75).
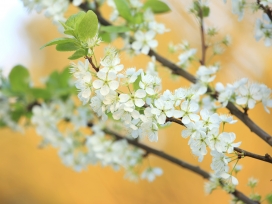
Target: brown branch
(175, 120)
(249, 123)
(244, 153)
(173, 67)
(265, 9)
(196, 169)
(161, 154)
(91, 62)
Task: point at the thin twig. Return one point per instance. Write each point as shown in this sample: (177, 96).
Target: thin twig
(90, 59)
(202, 35)
(244, 153)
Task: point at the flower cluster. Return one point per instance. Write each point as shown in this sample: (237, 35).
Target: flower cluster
(186, 56)
(205, 133)
(238, 8)
(78, 150)
(263, 29)
(143, 108)
(53, 8)
(245, 94)
(144, 32)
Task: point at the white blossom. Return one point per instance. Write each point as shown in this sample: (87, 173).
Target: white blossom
(249, 95)
(144, 41)
(219, 163)
(106, 82)
(134, 99)
(162, 110)
(198, 145)
(188, 112)
(234, 180)
(186, 57)
(238, 7)
(151, 173)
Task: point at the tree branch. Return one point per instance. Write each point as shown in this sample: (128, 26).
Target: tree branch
(195, 169)
(244, 153)
(175, 120)
(265, 9)
(249, 123)
(161, 154)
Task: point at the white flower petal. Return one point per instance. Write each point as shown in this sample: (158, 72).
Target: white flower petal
(97, 84)
(114, 85)
(104, 90)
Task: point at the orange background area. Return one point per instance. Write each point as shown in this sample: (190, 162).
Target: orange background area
(30, 175)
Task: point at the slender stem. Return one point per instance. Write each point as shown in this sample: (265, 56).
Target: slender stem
(91, 62)
(244, 153)
(202, 34)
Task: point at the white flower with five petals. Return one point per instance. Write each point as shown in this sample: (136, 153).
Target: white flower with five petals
(144, 41)
(106, 82)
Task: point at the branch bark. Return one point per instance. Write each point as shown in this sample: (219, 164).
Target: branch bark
(244, 153)
(249, 123)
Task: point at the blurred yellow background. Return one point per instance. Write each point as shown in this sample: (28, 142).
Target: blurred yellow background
(29, 175)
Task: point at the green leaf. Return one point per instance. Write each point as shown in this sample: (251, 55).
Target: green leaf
(269, 198)
(136, 85)
(65, 77)
(39, 93)
(88, 26)
(114, 29)
(17, 112)
(157, 6)
(123, 9)
(58, 84)
(205, 11)
(70, 32)
(64, 25)
(78, 54)
(138, 18)
(106, 37)
(69, 46)
(19, 79)
(58, 41)
(73, 21)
